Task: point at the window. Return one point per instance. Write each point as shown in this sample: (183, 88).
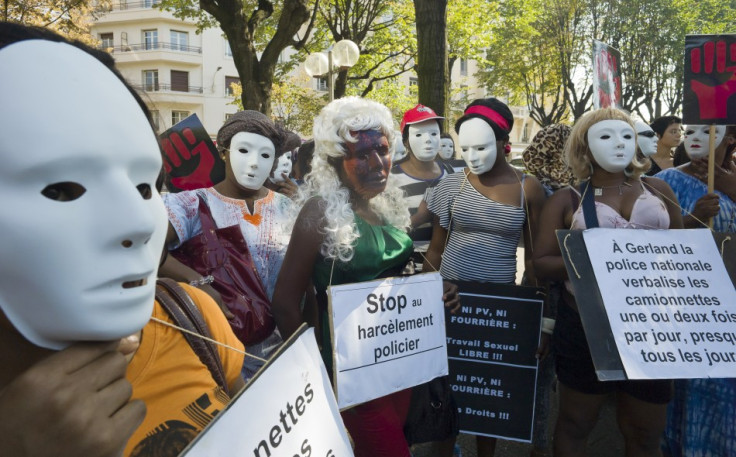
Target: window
(228, 51)
(413, 82)
(179, 41)
(155, 117)
(180, 81)
(150, 39)
(150, 80)
(322, 84)
(106, 41)
(229, 81)
(178, 116)
(150, 3)
(463, 67)
(228, 116)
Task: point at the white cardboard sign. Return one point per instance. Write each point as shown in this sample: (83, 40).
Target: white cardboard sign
(287, 410)
(669, 300)
(388, 335)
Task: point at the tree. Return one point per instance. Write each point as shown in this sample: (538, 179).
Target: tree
(71, 18)
(431, 67)
(256, 38)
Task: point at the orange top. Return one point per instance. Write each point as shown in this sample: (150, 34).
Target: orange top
(180, 395)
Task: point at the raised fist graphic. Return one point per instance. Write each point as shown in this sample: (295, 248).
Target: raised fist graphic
(189, 164)
(713, 66)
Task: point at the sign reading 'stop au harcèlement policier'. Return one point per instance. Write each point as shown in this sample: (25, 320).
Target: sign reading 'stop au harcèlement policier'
(388, 335)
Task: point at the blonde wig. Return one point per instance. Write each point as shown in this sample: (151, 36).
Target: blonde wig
(331, 131)
(577, 151)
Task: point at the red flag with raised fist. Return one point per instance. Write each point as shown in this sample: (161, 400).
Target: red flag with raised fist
(710, 80)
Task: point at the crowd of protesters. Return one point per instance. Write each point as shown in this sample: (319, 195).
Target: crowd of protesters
(87, 371)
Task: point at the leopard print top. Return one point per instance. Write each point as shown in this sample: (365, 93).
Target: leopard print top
(544, 157)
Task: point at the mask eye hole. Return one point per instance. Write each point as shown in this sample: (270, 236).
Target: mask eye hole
(145, 191)
(63, 191)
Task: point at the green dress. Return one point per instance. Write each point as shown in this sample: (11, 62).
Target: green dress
(380, 251)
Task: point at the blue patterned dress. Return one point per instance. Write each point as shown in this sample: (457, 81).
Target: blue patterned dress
(701, 420)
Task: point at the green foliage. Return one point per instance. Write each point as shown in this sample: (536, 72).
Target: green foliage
(70, 18)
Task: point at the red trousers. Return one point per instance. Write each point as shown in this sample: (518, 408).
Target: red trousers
(377, 427)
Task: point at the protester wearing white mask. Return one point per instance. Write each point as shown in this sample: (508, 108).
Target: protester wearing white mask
(703, 408)
(646, 140)
(419, 172)
(600, 153)
(250, 145)
(481, 213)
(84, 229)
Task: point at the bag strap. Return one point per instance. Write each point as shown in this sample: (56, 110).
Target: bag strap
(175, 300)
(589, 213)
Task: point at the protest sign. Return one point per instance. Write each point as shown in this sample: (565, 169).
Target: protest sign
(606, 76)
(388, 335)
(191, 159)
(669, 301)
(593, 315)
(491, 347)
(287, 410)
(710, 80)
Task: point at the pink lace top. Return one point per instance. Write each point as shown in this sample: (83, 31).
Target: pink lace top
(649, 212)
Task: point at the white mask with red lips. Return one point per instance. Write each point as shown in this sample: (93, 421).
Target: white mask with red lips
(83, 226)
(612, 144)
(697, 139)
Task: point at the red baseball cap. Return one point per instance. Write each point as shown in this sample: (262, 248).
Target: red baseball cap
(419, 113)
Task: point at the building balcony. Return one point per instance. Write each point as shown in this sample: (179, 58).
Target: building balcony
(160, 51)
(168, 88)
(121, 12)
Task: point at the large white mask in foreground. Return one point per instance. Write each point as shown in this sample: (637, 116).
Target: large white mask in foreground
(251, 159)
(424, 140)
(478, 145)
(83, 226)
(613, 144)
(697, 139)
(646, 138)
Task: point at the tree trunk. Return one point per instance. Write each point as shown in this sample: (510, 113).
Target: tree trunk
(256, 75)
(431, 19)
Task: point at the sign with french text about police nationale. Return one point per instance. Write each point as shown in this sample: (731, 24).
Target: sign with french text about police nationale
(606, 76)
(709, 96)
(669, 300)
(491, 345)
(288, 409)
(388, 335)
(191, 159)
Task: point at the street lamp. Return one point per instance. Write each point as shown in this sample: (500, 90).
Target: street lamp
(343, 55)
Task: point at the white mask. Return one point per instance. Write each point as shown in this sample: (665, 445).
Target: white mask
(648, 141)
(612, 144)
(424, 140)
(284, 166)
(83, 269)
(447, 148)
(251, 159)
(478, 145)
(399, 149)
(697, 139)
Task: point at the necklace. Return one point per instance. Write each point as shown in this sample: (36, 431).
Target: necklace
(598, 191)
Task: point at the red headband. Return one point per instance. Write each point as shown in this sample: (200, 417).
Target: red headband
(490, 114)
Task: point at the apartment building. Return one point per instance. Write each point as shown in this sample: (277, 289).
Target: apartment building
(178, 71)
